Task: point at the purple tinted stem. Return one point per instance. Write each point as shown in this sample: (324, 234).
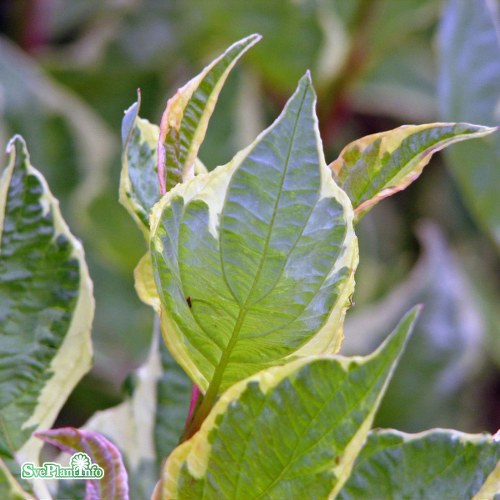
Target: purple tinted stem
(195, 394)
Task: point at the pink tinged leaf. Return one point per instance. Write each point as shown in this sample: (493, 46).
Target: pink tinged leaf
(186, 116)
(114, 484)
(379, 165)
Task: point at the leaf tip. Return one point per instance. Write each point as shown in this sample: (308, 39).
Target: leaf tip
(130, 115)
(398, 339)
(16, 140)
(255, 37)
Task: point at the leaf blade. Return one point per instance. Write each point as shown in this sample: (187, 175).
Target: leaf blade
(47, 307)
(433, 464)
(185, 119)
(210, 335)
(295, 419)
(139, 189)
(379, 165)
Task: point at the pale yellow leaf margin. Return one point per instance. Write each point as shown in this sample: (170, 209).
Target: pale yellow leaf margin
(74, 358)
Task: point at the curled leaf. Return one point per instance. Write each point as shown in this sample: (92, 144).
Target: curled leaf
(114, 483)
(379, 165)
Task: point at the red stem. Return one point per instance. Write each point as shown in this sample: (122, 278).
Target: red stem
(195, 395)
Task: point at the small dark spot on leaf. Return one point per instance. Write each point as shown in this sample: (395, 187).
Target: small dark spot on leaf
(188, 300)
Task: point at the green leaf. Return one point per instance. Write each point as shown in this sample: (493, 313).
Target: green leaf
(436, 464)
(146, 427)
(254, 261)
(139, 188)
(379, 165)
(114, 484)
(469, 47)
(185, 119)
(288, 432)
(46, 308)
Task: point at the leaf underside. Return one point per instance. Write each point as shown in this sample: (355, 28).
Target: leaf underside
(264, 249)
(379, 165)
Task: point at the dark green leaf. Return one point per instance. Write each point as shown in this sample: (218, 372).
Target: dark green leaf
(46, 308)
(434, 465)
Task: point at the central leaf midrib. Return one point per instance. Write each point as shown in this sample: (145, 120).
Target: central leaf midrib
(215, 383)
(347, 411)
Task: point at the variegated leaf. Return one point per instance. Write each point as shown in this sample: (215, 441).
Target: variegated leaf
(287, 432)
(254, 261)
(379, 165)
(185, 120)
(46, 312)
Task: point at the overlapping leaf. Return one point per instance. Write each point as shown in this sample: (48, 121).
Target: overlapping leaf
(139, 189)
(378, 165)
(114, 483)
(433, 465)
(155, 158)
(469, 44)
(46, 308)
(185, 120)
(287, 432)
(254, 261)
(146, 427)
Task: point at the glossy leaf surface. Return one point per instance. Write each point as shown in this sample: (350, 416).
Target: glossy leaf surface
(469, 45)
(288, 432)
(114, 484)
(46, 308)
(254, 261)
(433, 465)
(379, 165)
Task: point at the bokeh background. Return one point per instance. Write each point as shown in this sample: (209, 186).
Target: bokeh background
(69, 68)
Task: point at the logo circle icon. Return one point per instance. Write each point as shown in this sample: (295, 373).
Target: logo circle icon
(80, 462)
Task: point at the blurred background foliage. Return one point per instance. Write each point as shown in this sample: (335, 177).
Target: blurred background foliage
(68, 69)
